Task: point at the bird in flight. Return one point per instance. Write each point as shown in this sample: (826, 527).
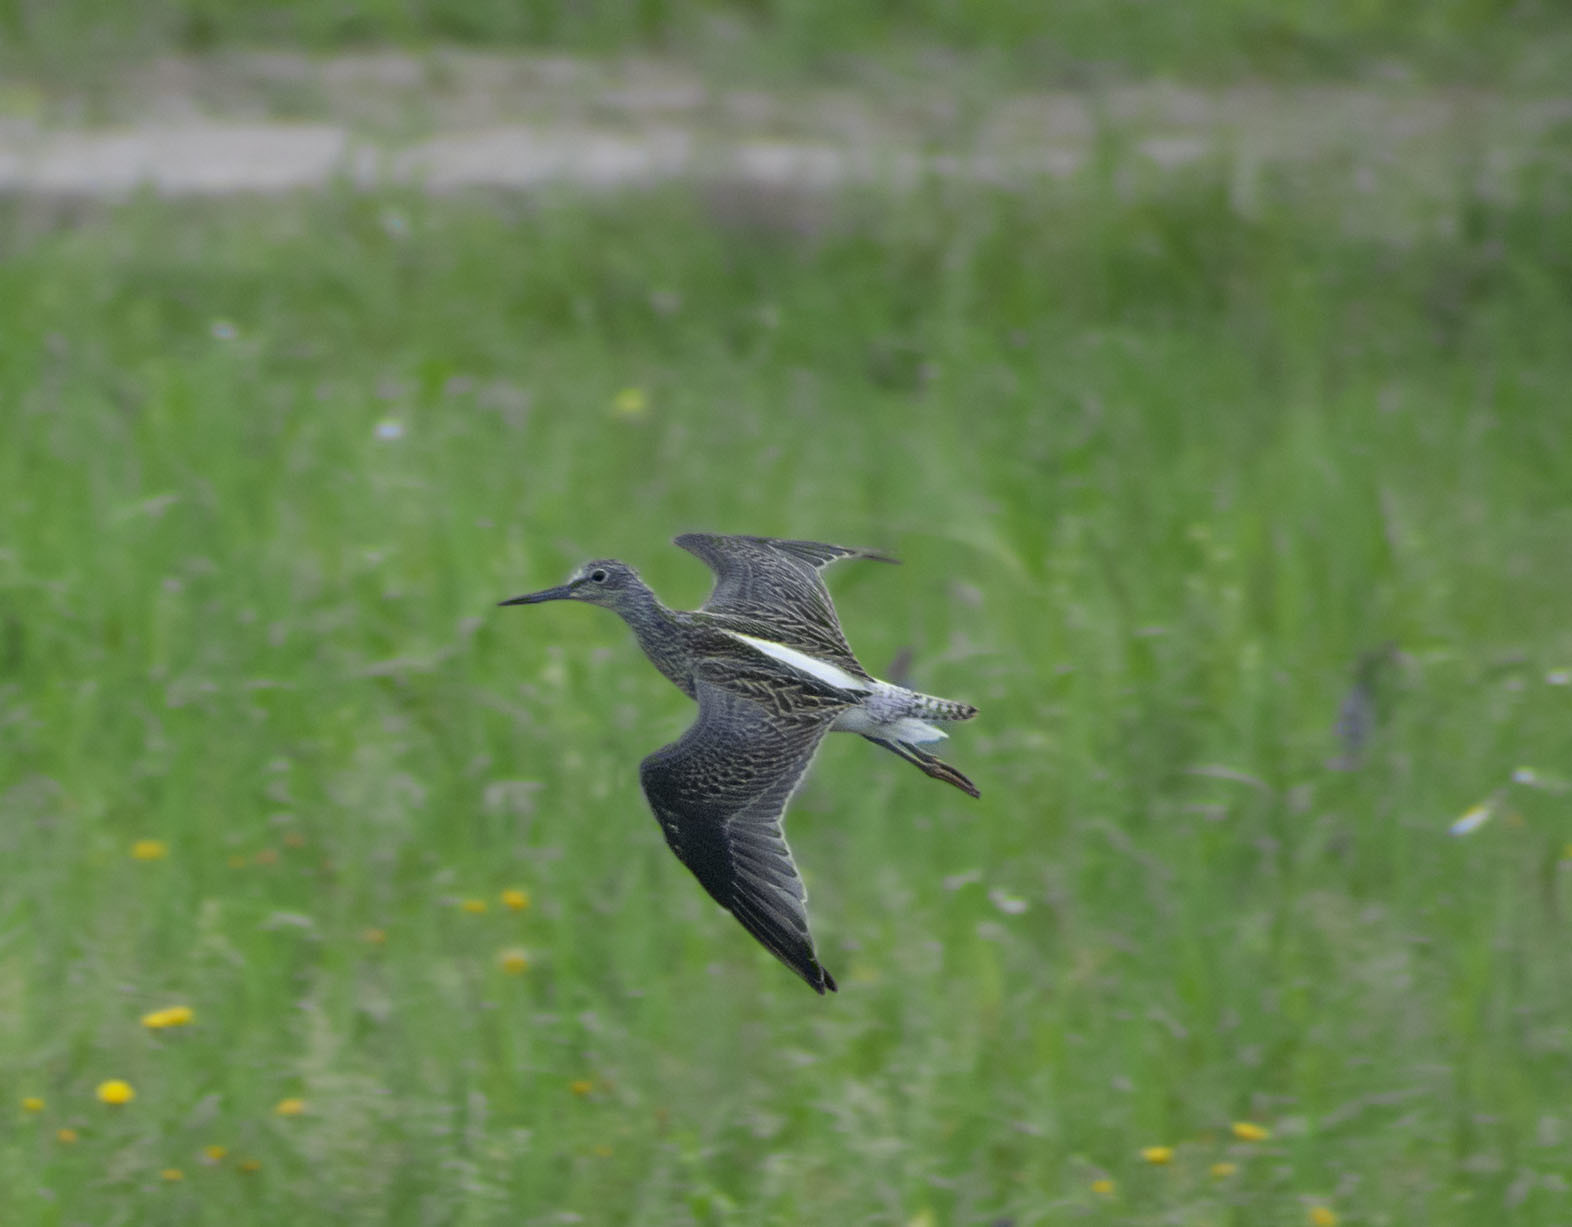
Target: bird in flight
(769, 666)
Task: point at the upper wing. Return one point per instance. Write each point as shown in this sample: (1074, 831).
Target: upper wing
(777, 584)
(719, 792)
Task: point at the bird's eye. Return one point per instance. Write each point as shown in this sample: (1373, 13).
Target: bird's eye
(598, 575)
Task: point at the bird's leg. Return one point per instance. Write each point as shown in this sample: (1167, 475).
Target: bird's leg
(936, 768)
(929, 764)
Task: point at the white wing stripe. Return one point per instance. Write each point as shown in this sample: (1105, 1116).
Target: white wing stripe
(802, 662)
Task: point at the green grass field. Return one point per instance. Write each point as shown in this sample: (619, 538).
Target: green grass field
(1160, 471)
(1481, 42)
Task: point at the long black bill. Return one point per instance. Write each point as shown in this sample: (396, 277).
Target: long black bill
(559, 593)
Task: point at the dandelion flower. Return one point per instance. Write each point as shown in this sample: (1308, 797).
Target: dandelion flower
(214, 1153)
(474, 906)
(1323, 1216)
(1224, 1170)
(172, 1174)
(515, 900)
(514, 961)
(169, 1016)
(374, 937)
(149, 850)
(290, 1107)
(237, 861)
(250, 1165)
(115, 1092)
(1103, 1187)
(1249, 1131)
(1158, 1154)
(32, 1104)
(1566, 853)
(630, 403)
(65, 1136)
(603, 1151)
(581, 1086)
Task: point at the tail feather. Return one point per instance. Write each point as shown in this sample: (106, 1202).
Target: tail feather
(931, 707)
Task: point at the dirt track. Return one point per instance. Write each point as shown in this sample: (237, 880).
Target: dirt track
(450, 121)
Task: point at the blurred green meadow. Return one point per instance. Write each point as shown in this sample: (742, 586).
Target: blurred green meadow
(1478, 42)
(1161, 467)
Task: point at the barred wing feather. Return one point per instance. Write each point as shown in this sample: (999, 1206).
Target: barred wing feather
(764, 582)
(720, 792)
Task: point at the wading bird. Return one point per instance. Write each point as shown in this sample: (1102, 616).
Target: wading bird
(768, 663)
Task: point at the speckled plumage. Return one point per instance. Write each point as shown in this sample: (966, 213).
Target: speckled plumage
(770, 668)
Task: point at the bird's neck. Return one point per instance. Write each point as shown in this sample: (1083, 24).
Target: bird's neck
(661, 636)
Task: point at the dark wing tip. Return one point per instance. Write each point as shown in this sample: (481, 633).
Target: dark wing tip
(688, 541)
(817, 976)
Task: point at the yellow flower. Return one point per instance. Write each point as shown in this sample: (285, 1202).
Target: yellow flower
(1158, 1154)
(474, 906)
(374, 937)
(1249, 1131)
(290, 1107)
(514, 961)
(169, 1016)
(1323, 1216)
(214, 1153)
(250, 1165)
(65, 1136)
(515, 900)
(237, 861)
(1223, 1170)
(149, 850)
(115, 1092)
(1474, 818)
(603, 1150)
(172, 1173)
(581, 1086)
(1103, 1187)
(630, 403)
(32, 1104)
(1566, 853)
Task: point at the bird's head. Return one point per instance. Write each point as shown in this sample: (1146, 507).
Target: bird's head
(601, 581)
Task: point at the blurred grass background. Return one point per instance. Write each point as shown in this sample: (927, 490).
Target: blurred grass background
(1163, 463)
(1068, 41)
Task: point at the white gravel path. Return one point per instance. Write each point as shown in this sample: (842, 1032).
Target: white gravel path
(455, 121)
